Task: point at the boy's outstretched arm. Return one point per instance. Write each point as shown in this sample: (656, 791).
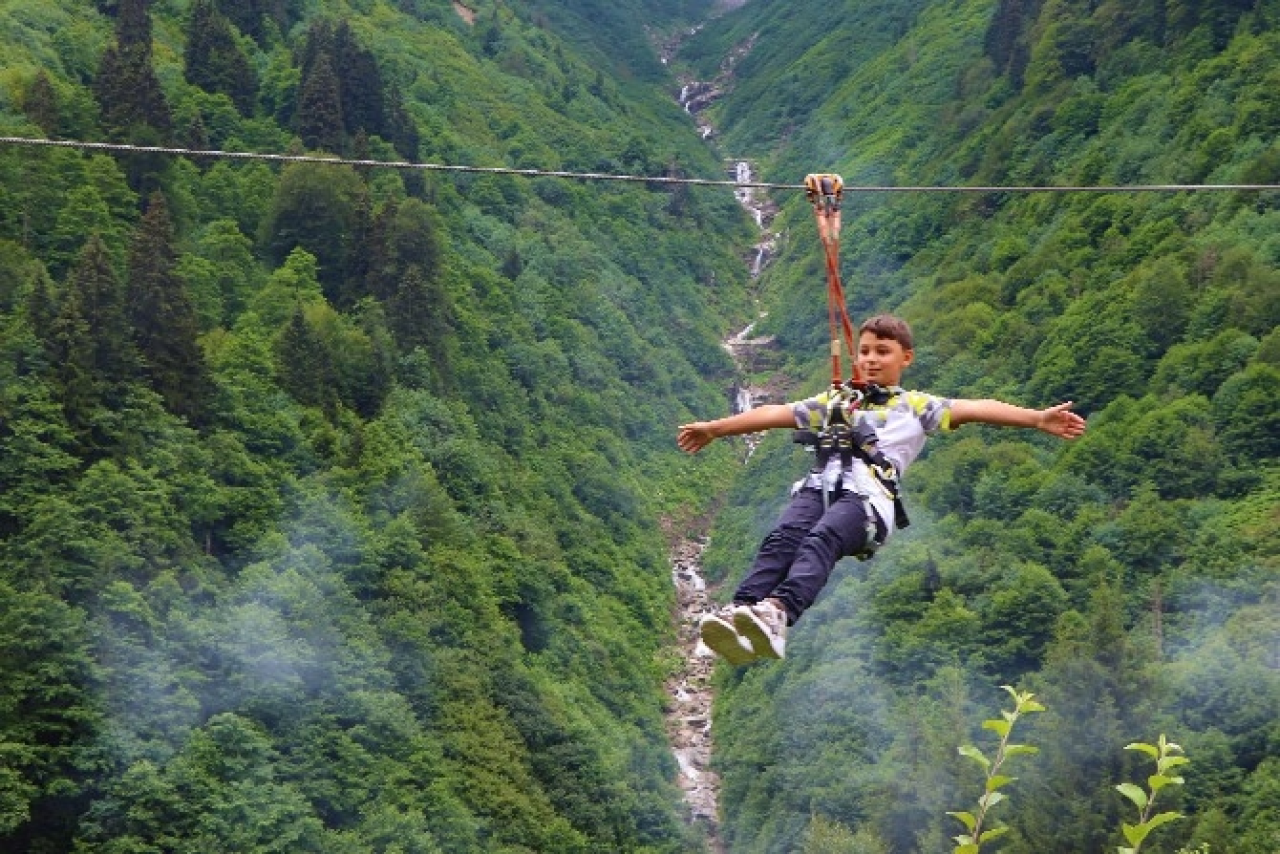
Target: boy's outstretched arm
(1057, 420)
(694, 437)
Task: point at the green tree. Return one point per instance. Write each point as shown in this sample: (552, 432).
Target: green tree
(70, 349)
(214, 60)
(41, 104)
(1018, 621)
(127, 89)
(102, 303)
(319, 118)
(360, 85)
(1246, 410)
(48, 715)
(163, 319)
(315, 209)
(305, 364)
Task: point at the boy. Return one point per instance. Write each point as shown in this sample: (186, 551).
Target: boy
(847, 505)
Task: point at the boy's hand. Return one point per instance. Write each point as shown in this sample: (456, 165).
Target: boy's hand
(1060, 421)
(694, 437)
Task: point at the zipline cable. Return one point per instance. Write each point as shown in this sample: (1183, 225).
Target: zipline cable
(604, 176)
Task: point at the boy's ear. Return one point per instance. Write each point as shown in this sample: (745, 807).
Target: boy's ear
(908, 356)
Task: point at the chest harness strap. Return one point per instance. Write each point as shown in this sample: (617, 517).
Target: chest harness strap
(843, 434)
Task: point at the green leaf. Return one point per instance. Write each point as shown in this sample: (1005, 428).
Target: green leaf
(990, 799)
(1032, 706)
(1162, 818)
(1171, 762)
(971, 848)
(976, 755)
(1135, 835)
(1134, 794)
(1000, 728)
(1123, 850)
(997, 781)
(1020, 750)
(967, 818)
(993, 833)
(1145, 748)
(963, 840)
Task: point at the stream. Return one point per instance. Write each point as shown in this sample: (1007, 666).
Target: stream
(688, 711)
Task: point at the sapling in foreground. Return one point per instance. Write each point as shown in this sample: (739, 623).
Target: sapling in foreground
(1163, 752)
(971, 842)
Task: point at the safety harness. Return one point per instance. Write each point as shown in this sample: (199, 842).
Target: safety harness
(842, 432)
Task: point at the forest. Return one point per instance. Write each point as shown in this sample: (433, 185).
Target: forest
(336, 499)
(1128, 579)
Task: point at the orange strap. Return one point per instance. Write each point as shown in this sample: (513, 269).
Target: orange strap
(824, 193)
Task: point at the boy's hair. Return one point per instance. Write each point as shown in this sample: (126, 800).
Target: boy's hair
(888, 326)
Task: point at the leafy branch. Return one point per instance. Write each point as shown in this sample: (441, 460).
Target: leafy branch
(1163, 753)
(971, 842)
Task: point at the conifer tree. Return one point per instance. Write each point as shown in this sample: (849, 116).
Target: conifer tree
(41, 104)
(114, 360)
(319, 119)
(409, 237)
(400, 128)
(126, 87)
(359, 84)
(70, 348)
(412, 312)
(214, 60)
(421, 317)
(304, 363)
(256, 18)
(41, 307)
(163, 318)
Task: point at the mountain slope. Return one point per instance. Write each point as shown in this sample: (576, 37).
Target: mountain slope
(1109, 576)
(330, 495)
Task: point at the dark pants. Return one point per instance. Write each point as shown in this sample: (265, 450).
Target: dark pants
(797, 556)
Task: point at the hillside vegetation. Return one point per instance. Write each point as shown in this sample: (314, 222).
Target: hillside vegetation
(330, 497)
(1130, 579)
(333, 499)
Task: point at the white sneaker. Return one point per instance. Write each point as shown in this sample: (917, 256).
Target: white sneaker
(718, 633)
(764, 626)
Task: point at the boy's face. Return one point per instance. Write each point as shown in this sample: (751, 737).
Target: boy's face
(882, 360)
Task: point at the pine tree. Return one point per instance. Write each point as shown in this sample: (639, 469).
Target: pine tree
(421, 318)
(114, 359)
(126, 87)
(304, 363)
(380, 273)
(214, 61)
(70, 348)
(401, 129)
(41, 104)
(359, 85)
(319, 119)
(41, 308)
(163, 318)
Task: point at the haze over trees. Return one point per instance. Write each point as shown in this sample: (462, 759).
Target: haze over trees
(332, 498)
(1113, 576)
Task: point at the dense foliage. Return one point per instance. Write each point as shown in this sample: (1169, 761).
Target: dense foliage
(330, 497)
(1129, 579)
